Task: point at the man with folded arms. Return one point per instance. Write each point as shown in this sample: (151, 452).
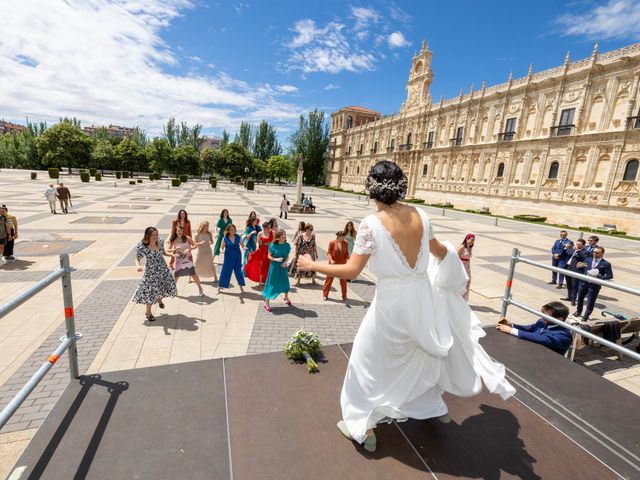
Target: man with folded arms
(597, 267)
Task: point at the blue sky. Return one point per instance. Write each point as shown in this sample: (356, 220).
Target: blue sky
(218, 63)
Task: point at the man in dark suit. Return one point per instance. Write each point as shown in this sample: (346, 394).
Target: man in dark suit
(577, 263)
(596, 267)
(546, 333)
(559, 257)
(591, 244)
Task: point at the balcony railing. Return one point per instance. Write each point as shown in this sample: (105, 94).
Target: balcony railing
(427, 145)
(633, 122)
(456, 142)
(562, 130)
(347, 153)
(390, 149)
(506, 136)
(373, 150)
(359, 152)
(405, 146)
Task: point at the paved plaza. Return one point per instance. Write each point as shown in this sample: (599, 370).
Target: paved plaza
(107, 221)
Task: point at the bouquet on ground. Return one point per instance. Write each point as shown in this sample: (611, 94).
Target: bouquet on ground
(304, 347)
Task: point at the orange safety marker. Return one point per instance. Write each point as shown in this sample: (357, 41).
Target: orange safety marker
(53, 359)
(509, 283)
(69, 312)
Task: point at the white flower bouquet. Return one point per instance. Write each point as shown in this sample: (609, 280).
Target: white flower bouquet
(304, 347)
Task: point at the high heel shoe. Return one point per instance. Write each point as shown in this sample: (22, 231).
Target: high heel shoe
(370, 443)
(445, 418)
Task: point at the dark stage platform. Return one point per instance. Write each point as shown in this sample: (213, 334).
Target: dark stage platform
(259, 417)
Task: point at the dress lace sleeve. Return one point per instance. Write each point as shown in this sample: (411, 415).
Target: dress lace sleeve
(140, 251)
(431, 234)
(365, 243)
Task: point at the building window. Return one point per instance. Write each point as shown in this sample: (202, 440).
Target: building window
(358, 170)
(553, 171)
(458, 138)
(333, 164)
(409, 139)
(429, 142)
(346, 169)
(375, 147)
(566, 123)
(349, 150)
(500, 173)
(349, 121)
(360, 149)
(509, 130)
(425, 170)
(630, 171)
(392, 145)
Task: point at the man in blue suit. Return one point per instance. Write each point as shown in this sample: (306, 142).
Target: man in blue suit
(577, 263)
(597, 267)
(591, 244)
(559, 257)
(546, 333)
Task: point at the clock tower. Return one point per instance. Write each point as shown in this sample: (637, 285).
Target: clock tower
(420, 78)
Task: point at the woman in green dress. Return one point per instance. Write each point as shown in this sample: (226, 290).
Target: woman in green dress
(223, 222)
(350, 234)
(278, 278)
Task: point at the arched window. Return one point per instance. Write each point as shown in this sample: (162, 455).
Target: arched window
(409, 139)
(358, 170)
(425, 169)
(630, 171)
(500, 173)
(346, 169)
(553, 170)
(349, 121)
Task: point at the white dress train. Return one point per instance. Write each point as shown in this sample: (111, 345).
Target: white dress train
(418, 339)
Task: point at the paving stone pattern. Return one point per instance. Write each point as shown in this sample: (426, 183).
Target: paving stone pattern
(333, 322)
(37, 275)
(95, 317)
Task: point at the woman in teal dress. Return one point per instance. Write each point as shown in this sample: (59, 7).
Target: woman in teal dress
(250, 237)
(278, 278)
(350, 234)
(223, 222)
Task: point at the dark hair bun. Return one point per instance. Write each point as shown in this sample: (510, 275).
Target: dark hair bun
(386, 182)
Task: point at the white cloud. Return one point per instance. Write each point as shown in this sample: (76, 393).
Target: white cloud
(364, 19)
(325, 49)
(397, 40)
(615, 19)
(287, 88)
(332, 86)
(104, 62)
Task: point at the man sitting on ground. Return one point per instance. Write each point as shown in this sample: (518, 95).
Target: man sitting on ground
(544, 332)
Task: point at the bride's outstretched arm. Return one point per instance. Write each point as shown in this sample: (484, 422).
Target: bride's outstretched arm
(348, 271)
(437, 249)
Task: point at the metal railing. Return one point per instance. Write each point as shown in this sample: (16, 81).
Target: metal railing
(562, 130)
(506, 136)
(633, 122)
(508, 300)
(67, 342)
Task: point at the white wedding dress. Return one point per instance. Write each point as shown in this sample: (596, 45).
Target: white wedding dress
(418, 339)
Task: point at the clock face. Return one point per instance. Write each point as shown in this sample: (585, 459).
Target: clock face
(418, 68)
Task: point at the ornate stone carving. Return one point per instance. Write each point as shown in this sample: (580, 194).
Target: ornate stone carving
(573, 95)
(514, 108)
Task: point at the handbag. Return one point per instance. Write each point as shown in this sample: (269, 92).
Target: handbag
(288, 203)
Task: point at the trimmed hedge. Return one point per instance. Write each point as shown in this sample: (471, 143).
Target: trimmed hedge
(237, 179)
(139, 180)
(184, 178)
(132, 182)
(125, 174)
(98, 177)
(479, 212)
(214, 182)
(249, 184)
(34, 175)
(54, 173)
(92, 172)
(84, 176)
(152, 176)
(414, 200)
(442, 205)
(118, 175)
(175, 182)
(530, 218)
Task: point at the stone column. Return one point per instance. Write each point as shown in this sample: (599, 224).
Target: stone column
(297, 204)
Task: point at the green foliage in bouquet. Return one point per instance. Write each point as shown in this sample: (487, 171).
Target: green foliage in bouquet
(304, 347)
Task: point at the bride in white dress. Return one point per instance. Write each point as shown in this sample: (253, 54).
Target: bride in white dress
(419, 337)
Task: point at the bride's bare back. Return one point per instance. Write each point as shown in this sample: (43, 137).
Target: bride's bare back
(405, 226)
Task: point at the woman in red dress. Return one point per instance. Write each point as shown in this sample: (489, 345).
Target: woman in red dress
(257, 267)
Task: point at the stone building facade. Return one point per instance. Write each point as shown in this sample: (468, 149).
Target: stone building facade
(562, 143)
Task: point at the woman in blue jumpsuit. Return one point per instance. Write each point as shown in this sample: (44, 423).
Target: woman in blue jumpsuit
(232, 263)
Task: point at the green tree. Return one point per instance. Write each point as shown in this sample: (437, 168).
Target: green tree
(246, 136)
(101, 133)
(171, 132)
(64, 144)
(236, 159)
(181, 135)
(259, 170)
(186, 159)
(266, 144)
(130, 156)
(102, 156)
(212, 161)
(311, 140)
(139, 136)
(279, 167)
(224, 141)
(19, 150)
(159, 155)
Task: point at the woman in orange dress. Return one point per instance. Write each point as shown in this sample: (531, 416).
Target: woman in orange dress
(257, 267)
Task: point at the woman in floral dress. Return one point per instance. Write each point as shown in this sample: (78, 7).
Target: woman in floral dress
(305, 244)
(157, 281)
(181, 246)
